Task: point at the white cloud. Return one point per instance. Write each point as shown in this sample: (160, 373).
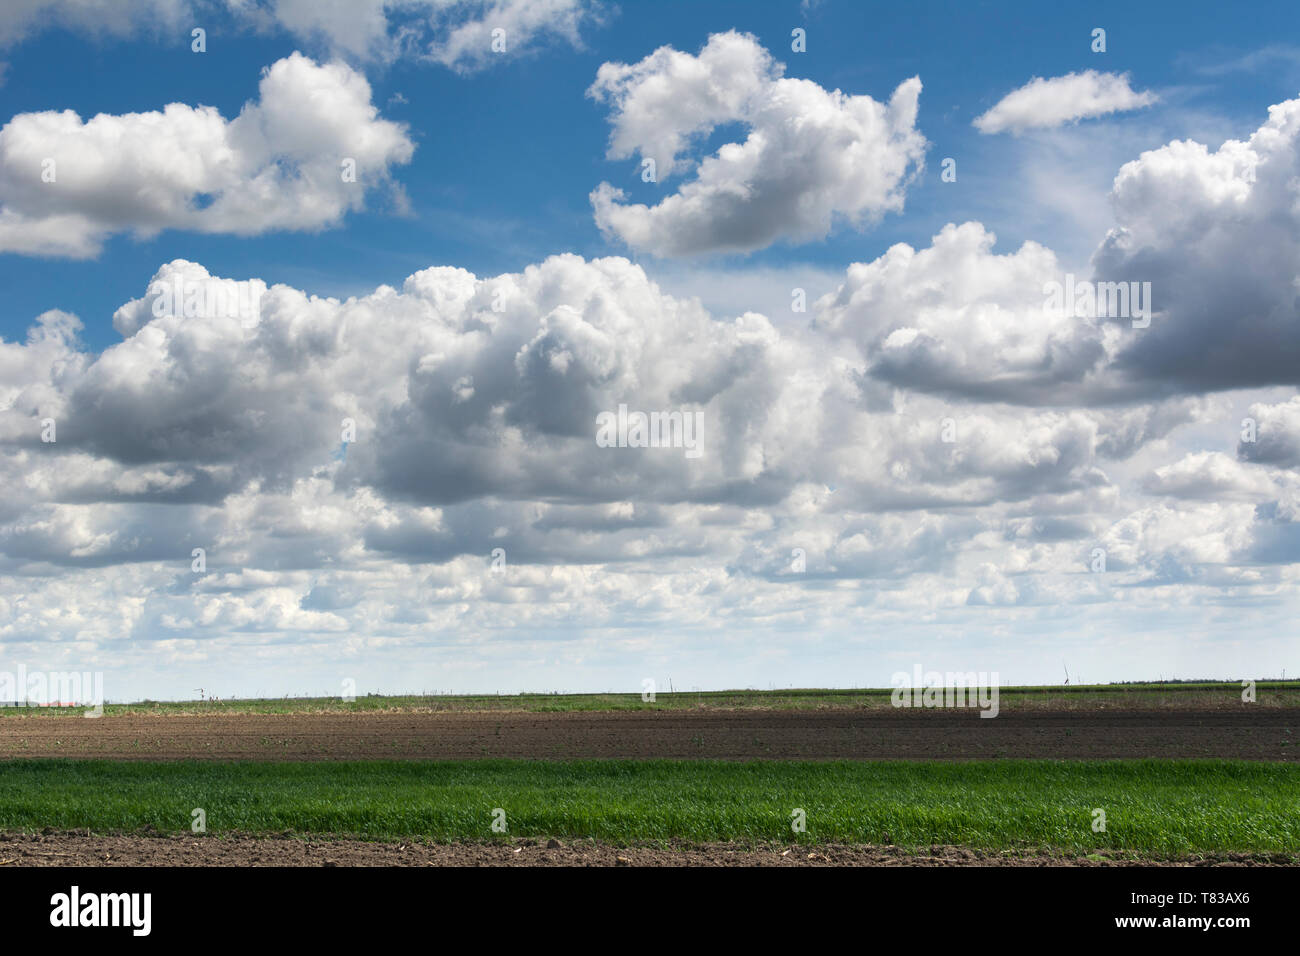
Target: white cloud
(958, 319)
(1212, 475)
(356, 28)
(463, 31)
(1207, 240)
(1217, 234)
(454, 33)
(1276, 435)
(195, 404)
(812, 157)
(20, 18)
(66, 184)
(475, 430)
(670, 97)
(1047, 103)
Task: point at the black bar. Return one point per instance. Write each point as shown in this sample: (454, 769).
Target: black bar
(647, 906)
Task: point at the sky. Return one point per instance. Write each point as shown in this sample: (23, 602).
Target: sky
(319, 318)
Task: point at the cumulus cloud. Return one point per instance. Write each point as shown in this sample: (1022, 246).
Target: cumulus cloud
(463, 389)
(1194, 290)
(1048, 103)
(494, 384)
(1272, 435)
(812, 156)
(958, 319)
(1208, 474)
(474, 403)
(1162, 542)
(1217, 235)
(494, 387)
(284, 163)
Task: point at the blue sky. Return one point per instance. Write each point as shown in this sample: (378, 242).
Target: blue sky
(1075, 433)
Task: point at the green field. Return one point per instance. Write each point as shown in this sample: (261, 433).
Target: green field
(1158, 808)
(1081, 697)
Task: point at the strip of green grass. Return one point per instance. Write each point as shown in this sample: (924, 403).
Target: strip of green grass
(1160, 807)
(1269, 694)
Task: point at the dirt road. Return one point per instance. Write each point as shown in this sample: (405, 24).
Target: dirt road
(79, 849)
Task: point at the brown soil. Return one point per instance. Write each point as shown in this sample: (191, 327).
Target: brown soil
(78, 849)
(1245, 733)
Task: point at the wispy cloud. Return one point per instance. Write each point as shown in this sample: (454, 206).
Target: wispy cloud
(1048, 103)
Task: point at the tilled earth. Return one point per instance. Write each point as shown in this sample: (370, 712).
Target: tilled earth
(1245, 733)
(80, 849)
